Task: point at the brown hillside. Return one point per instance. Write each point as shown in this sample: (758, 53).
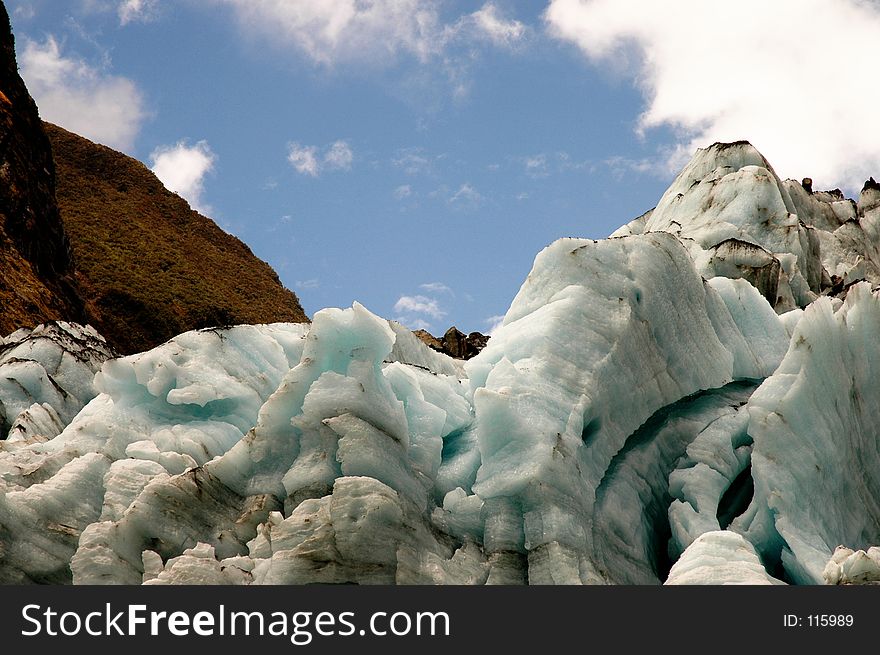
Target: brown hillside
(35, 262)
(147, 266)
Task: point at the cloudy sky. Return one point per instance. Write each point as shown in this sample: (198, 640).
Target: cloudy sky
(415, 155)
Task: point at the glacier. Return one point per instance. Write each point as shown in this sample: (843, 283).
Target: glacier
(689, 401)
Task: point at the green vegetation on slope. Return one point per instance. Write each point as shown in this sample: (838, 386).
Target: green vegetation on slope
(147, 266)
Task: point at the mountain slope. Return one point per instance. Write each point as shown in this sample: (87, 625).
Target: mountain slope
(147, 266)
(35, 259)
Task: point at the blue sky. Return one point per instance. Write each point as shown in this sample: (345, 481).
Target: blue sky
(416, 155)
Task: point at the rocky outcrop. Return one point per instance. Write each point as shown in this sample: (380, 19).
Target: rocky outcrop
(455, 343)
(90, 235)
(36, 265)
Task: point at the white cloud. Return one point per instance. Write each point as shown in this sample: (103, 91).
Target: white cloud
(415, 311)
(794, 77)
(489, 22)
(338, 156)
(100, 106)
(306, 160)
(494, 324)
(332, 30)
(303, 158)
(136, 10)
(373, 31)
(182, 169)
(419, 305)
(313, 283)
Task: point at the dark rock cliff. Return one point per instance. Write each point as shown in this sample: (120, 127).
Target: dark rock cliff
(36, 265)
(90, 235)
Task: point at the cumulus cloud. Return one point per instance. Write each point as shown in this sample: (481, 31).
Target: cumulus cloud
(332, 31)
(182, 169)
(416, 311)
(307, 160)
(794, 77)
(419, 305)
(303, 158)
(100, 106)
(131, 11)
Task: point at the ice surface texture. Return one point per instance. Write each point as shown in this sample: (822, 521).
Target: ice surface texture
(46, 377)
(691, 402)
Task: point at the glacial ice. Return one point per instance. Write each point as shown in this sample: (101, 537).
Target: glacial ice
(158, 413)
(640, 482)
(815, 460)
(690, 401)
(720, 557)
(853, 567)
(46, 377)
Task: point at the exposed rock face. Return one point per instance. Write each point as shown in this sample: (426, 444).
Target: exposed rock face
(148, 266)
(36, 267)
(869, 198)
(455, 343)
(115, 249)
(429, 339)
